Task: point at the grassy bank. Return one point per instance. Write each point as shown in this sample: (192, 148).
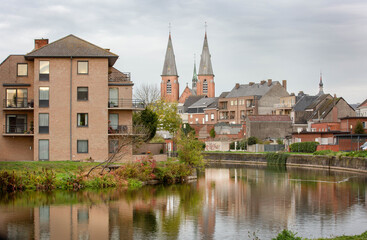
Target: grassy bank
(289, 235)
(47, 176)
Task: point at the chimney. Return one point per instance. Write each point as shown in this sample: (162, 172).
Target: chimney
(251, 83)
(284, 84)
(270, 82)
(300, 93)
(107, 49)
(237, 85)
(38, 43)
(262, 82)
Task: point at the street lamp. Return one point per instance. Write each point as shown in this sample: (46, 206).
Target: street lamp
(351, 127)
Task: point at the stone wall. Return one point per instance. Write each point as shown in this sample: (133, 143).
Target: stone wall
(329, 162)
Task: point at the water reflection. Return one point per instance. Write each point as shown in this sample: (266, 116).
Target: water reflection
(230, 201)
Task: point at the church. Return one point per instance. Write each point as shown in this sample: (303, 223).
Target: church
(202, 83)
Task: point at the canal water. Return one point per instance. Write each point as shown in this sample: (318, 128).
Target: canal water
(227, 202)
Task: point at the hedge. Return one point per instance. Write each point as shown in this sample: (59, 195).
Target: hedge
(305, 147)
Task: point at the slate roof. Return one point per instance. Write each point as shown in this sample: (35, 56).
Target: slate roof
(223, 94)
(203, 102)
(213, 104)
(169, 66)
(304, 102)
(72, 46)
(269, 118)
(256, 89)
(317, 101)
(205, 67)
(192, 99)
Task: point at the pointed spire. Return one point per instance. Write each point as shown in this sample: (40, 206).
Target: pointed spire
(169, 67)
(321, 86)
(194, 75)
(205, 67)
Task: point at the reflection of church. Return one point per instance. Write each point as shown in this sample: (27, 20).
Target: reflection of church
(202, 83)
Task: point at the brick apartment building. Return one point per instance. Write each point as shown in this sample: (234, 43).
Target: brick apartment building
(64, 101)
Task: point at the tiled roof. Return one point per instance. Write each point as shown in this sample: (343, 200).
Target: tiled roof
(318, 100)
(203, 102)
(192, 99)
(269, 118)
(324, 109)
(223, 94)
(304, 102)
(364, 104)
(72, 46)
(256, 89)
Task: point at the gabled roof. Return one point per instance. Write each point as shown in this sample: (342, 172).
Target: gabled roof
(255, 89)
(213, 104)
(72, 46)
(364, 104)
(318, 100)
(192, 99)
(203, 103)
(223, 94)
(205, 67)
(169, 66)
(269, 118)
(304, 102)
(324, 109)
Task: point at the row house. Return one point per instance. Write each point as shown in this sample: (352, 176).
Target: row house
(362, 109)
(250, 99)
(64, 101)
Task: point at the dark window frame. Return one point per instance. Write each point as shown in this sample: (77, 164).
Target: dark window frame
(44, 104)
(77, 94)
(44, 76)
(80, 61)
(77, 143)
(169, 87)
(44, 129)
(18, 70)
(205, 86)
(77, 122)
(25, 125)
(48, 149)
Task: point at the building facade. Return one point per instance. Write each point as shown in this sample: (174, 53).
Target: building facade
(64, 101)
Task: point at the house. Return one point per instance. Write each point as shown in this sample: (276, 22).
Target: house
(250, 99)
(362, 109)
(64, 101)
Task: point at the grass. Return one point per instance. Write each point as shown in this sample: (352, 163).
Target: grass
(289, 235)
(243, 152)
(57, 167)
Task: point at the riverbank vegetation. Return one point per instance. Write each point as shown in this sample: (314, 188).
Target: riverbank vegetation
(289, 235)
(362, 154)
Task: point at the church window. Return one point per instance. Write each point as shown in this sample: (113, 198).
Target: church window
(205, 86)
(169, 87)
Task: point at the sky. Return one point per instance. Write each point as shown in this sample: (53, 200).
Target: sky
(249, 40)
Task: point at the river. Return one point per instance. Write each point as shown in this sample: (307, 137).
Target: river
(227, 202)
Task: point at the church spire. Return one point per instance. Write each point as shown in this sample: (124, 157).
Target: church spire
(169, 67)
(321, 86)
(205, 67)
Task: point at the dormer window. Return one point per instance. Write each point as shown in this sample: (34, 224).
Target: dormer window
(205, 86)
(169, 87)
(22, 69)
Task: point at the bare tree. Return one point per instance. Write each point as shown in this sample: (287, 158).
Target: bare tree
(148, 93)
(122, 142)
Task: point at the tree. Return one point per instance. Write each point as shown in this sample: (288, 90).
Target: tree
(252, 140)
(190, 149)
(147, 118)
(168, 118)
(186, 128)
(359, 128)
(149, 93)
(212, 133)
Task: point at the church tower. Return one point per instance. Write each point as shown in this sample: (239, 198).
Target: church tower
(205, 84)
(321, 86)
(169, 85)
(194, 79)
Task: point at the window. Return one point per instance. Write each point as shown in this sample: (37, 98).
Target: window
(83, 67)
(17, 98)
(82, 119)
(212, 116)
(82, 93)
(44, 97)
(22, 69)
(206, 117)
(44, 71)
(113, 100)
(16, 123)
(43, 123)
(113, 146)
(169, 87)
(205, 86)
(113, 121)
(82, 146)
(43, 149)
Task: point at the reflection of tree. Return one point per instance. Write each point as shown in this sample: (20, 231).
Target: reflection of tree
(145, 222)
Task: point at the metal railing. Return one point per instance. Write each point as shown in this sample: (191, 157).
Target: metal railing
(126, 129)
(125, 78)
(125, 103)
(18, 103)
(17, 129)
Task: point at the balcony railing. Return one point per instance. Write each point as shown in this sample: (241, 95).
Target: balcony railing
(118, 77)
(125, 103)
(17, 129)
(18, 103)
(126, 130)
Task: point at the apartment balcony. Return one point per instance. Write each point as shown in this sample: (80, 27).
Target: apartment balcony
(17, 130)
(18, 104)
(222, 107)
(126, 130)
(126, 104)
(283, 106)
(223, 117)
(118, 77)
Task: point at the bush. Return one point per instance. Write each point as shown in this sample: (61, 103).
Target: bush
(287, 235)
(190, 150)
(325, 152)
(172, 172)
(252, 140)
(306, 147)
(134, 184)
(212, 133)
(273, 158)
(232, 145)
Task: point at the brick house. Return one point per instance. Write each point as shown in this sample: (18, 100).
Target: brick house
(64, 101)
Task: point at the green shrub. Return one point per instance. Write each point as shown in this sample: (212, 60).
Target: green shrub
(134, 184)
(325, 152)
(306, 147)
(252, 140)
(287, 235)
(273, 158)
(232, 145)
(171, 172)
(212, 133)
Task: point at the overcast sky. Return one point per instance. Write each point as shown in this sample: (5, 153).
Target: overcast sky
(249, 40)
